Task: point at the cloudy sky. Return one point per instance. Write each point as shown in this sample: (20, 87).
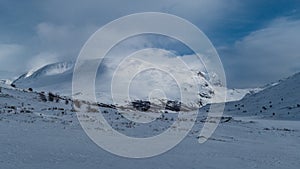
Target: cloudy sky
(258, 40)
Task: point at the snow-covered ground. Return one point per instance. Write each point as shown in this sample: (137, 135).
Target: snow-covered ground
(279, 101)
(43, 134)
(242, 143)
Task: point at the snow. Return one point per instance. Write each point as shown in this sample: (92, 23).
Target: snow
(279, 101)
(5, 81)
(47, 77)
(238, 94)
(234, 145)
(57, 78)
(49, 134)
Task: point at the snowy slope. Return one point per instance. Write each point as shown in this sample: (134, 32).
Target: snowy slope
(238, 94)
(278, 101)
(43, 134)
(57, 78)
(22, 102)
(52, 76)
(5, 83)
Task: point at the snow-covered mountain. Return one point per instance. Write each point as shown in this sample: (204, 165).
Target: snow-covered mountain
(39, 133)
(54, 77)
(278, 101)
(57, 77)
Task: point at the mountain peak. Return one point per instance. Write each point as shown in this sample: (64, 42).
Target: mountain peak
(46, 75)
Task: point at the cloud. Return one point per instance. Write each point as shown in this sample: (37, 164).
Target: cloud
(41, 60)
(63, 27)
(66, 30)
(9, 50)
(12, 60)
(101, 12)
(264, 55)
(58, 30)
(11, 57)
(65, 40)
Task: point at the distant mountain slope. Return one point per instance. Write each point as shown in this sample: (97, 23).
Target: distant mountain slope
(278, 101)
(57, 77)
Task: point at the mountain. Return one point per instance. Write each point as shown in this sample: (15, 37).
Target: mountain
(155, 75)
(278, 101)
(53, 77)
(39, 133)
(57, 78)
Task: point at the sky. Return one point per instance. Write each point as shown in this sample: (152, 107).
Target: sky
(257, 40)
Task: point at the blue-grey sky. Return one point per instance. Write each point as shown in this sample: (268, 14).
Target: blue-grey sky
(257, 40)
